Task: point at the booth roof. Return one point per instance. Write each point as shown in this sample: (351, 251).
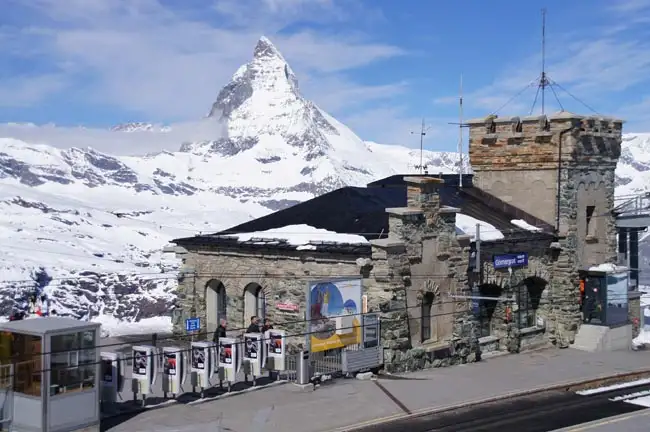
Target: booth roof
(44, 325)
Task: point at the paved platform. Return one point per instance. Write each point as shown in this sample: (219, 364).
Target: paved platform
(344, 403)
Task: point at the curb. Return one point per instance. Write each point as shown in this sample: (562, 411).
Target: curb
(171, 402)
(566, 386)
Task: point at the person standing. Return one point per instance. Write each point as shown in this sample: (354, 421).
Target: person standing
(267, 325)
(254, 326)
(220, 332)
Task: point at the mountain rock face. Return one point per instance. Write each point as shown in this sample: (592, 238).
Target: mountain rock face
(88, 228)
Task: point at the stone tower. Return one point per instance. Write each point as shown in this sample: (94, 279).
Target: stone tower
(558, 168)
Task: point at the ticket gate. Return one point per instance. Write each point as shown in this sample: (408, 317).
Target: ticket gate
(254, 355)
(112, 369)
(203, 364)
(173, 371)
(275, 341)
(229, 359)
(145, 370)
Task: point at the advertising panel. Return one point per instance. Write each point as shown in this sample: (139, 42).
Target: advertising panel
(251, 347)
(198, 357)
(275, 340)
(140, 361)
(225, 353)
(170, 363)
(107, 370)
(370, 330)
(333, 309)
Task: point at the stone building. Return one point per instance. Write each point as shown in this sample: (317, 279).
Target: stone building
(542, 188)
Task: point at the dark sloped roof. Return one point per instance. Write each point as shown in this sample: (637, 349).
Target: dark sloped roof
(357, 210)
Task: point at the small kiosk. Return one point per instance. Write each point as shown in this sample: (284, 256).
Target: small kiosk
(57, 378)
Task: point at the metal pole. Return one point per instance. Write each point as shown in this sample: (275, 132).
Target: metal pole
(627, 258)
(477, 267)
(460, 133)
(421, 146)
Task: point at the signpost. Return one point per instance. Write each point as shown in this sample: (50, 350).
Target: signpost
(192, 325)
(510, 260)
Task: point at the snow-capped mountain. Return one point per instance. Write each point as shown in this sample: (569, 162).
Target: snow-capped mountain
(88, 227)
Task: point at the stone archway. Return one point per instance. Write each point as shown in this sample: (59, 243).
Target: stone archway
(216, 304)
(529, 296)
(254, 302)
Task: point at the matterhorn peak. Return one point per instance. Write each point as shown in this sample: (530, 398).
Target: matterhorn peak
(265, 48)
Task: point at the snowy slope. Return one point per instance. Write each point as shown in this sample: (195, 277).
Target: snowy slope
(88, 227)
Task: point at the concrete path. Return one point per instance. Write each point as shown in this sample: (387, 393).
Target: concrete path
(354, 402)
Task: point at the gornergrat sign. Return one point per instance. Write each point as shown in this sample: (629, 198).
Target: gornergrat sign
(510, 260)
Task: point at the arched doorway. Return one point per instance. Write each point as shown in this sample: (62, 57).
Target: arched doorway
(216, 304)
(254, 302)
(487, 307)
(529, 296)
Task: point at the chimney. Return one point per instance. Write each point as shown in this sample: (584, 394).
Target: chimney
(422, 193)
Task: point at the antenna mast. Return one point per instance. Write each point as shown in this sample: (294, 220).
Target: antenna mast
(422, 133)
(543, 81)
(460, 134)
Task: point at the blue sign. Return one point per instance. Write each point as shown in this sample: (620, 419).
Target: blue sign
(192, 324)
(510, 260)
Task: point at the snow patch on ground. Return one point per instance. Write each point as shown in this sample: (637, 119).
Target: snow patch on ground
(112, 327)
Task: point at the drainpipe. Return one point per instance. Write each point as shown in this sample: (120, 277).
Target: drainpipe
(559, 179)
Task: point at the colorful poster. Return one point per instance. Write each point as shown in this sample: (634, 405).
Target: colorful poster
(334, 306)
(170, 363)
(225, 353)
(275, 342)
(198, 357)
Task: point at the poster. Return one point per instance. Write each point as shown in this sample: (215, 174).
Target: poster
(140, 359)
(329, 302)
(169, 368)
(198, 357)
(250, 347)
(370, 330)
(274, 342)
(107, 370)
(225, 353)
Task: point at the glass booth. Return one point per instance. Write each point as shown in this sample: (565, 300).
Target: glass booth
(604, 297)
(55, 385)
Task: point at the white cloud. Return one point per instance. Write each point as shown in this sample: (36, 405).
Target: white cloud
(586, 71)
(121, 143)
(159, 62)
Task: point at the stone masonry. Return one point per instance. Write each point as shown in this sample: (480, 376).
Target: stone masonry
(561, 169)
(422, 254)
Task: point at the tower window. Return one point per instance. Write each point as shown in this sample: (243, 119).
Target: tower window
(591, 223)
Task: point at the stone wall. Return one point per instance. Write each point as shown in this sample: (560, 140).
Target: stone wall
(520, 161)
(282, 275)
(532, 320)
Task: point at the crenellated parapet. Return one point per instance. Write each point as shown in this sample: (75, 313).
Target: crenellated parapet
(513, 143)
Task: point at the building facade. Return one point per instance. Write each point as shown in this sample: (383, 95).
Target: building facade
(546, 184)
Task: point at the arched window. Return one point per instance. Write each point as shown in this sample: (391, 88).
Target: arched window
(216, 306)
(426, 316)
(254, 302)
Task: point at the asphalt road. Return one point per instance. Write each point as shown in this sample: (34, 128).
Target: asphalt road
(540, 412)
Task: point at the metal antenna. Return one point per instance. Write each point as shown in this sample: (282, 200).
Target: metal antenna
(460, 134)
(543, 81)
(422, 133)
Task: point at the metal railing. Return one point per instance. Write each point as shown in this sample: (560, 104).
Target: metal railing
(632, 205)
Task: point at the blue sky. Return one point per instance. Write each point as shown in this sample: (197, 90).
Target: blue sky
(379, 66)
